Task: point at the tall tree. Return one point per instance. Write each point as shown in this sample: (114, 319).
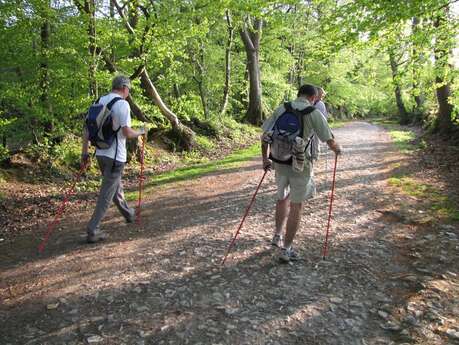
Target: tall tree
(251, 36)
(394, 64)
(91, 10)
(443, 51)
(45, 33)
(229, 45)
(131, 13)
(417, 58)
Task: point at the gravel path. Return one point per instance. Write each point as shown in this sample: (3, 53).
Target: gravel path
(161, 283)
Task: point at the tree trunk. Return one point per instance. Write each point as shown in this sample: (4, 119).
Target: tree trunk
(138, 113)
(398, 92)
(229, 45)
(45, 32)
(185, 134)
(417, 96)
(200, 79)
(251, 40)
(90, 7)
(442, 51)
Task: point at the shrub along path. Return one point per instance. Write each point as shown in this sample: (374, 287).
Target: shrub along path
(391, 275)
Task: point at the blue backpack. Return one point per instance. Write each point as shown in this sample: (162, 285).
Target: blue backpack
(99, 123)
(287, 127)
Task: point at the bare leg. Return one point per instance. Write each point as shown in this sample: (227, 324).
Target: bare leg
(293, 222)
(282, 210)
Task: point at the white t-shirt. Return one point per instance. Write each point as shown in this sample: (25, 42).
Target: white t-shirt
(121, 114)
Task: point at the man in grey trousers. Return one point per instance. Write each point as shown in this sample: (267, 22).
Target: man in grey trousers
(112, 160)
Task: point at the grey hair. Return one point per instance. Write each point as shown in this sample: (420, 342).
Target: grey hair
(120, 81)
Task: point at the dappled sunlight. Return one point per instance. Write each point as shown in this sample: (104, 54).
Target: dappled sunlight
(67, 274)
(162, 281)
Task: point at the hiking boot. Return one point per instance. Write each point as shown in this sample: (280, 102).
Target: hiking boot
(276, 241)
(94, 238)
(288, 254)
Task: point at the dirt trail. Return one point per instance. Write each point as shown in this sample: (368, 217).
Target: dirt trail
(160, 283)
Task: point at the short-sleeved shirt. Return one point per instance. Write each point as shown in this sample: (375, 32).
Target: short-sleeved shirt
(315, 143)
(121, 113)
(321, 107)
(314, 122)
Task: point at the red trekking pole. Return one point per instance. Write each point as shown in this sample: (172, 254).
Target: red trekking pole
(243, 218)
(325, 248)
(141, 178)
(61, 208)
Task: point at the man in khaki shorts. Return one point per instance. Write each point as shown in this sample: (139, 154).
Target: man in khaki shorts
(294, 187)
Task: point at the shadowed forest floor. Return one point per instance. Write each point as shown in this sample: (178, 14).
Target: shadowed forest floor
(391, 276)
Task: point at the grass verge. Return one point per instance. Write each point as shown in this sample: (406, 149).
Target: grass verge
(438, 205)
(338, 123)
(402, 137)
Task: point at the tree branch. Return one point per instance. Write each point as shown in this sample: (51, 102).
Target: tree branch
(247, 40)
(123, 16)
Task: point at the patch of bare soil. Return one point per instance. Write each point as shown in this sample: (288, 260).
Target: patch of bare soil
(32, 195)
(388, 278)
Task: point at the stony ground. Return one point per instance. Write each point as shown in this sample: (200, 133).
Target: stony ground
(389, 278)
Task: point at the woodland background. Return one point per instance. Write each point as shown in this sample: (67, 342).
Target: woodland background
(204, 71)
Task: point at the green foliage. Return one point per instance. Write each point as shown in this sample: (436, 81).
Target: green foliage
(403, 139)
(440, 206)
(204, 143)
(4, 153)
(187, 107)
(341, 46)
(67, 153)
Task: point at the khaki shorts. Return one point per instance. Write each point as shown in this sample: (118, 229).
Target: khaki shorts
(298, 187)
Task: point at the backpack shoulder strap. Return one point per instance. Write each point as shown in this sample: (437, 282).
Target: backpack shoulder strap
(112, 102)
(288, 106)
(301, 115)
(308, 110)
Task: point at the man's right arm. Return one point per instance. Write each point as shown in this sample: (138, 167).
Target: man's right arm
(130, 133)
(323, 131)
(125, 121)
(334, 146)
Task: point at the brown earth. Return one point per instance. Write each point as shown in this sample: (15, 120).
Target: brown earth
(390, 277)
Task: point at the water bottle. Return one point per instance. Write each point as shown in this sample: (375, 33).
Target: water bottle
(298, 155)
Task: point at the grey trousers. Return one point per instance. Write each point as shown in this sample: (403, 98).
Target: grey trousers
(110, 190)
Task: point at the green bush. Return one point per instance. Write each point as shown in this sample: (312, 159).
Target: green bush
(4, 154)
(204, 143)
(187, 107)
(67, 153)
